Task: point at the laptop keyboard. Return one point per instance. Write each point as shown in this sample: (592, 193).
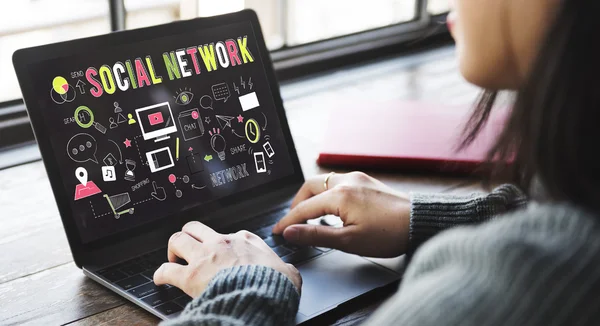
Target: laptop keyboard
(135, 276)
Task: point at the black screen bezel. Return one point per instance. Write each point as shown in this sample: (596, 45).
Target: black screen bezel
(83, 251)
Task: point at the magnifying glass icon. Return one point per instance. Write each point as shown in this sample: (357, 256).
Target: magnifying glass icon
(206, 102)
(85, 119)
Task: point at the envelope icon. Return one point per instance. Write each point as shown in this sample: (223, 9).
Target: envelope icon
(156, 118)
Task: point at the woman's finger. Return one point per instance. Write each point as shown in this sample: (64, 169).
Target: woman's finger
(317, 206)
(170, 273)
(314, 186)
(182, 245)
(318, 235)
(200, 231)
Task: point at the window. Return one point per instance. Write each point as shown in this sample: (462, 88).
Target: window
(304, 35)
(285, 23)
(436, 7)
(26, 23)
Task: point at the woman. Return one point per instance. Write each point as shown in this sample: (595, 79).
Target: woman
(527, 264)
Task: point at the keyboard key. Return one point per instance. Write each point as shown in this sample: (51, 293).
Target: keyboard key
(169, 308)
(293, 248)
(157, 257)
(131, 268)
(149, 273)
(281, 251)
(274, 241)
(302, 255)
(161, 296)
(146, 289)
(146, 264)
(113, 275)
(183, 301)
(132, 282)
(264, 232)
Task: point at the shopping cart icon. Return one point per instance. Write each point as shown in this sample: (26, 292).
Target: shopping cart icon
(118, 201)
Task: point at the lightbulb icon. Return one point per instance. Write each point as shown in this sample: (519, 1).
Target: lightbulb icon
(217, 142)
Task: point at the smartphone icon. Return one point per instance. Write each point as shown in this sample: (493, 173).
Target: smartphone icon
(259, 160)
(269, 149)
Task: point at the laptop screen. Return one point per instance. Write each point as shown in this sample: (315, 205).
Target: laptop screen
(150, 129)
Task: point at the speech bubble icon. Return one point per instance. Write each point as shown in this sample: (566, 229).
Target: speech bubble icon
(82, 148)
(206, 102)
(221, 92)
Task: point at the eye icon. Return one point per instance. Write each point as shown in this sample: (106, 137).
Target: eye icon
(184, 97)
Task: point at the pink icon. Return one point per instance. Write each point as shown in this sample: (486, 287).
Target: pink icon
(195, 115)
(155, 118)
(172, 178)
(89, 189)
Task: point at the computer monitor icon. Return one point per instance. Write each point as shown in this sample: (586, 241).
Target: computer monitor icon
(156, 121)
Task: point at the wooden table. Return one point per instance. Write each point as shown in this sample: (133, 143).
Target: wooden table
(40, 284)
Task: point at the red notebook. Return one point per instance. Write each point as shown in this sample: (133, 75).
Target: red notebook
(405, 136)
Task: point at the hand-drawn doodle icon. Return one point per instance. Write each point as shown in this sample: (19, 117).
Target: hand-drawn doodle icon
(85, 119)
(195, 163)
(158, 193)
(130, 166)
(131, 119)
(184, 97)
(85, 188)
(206, 102)
(252, 131)
(160, 159)
(116, 202)
(269, 149)
(259, 160)
(156, 121)
(80, 85)
(218, 144)
(190, 124)
(224, 121)
(221, 91)
(108, 173)
(82, 148)
(249, 101)
(61, 92)
(243, 84)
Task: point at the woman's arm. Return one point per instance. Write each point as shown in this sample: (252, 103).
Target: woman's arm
(243, 295)
(380, 221)
(537, 266)
(432, 213)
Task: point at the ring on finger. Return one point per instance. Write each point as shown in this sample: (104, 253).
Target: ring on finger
(326, 182)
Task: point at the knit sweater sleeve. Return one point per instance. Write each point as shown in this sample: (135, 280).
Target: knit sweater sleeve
(432, 213)
(243, 295)
(536, 266)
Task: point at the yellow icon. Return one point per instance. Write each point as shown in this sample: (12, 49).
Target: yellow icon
(60, 85)
(131, 119)
(252, 131)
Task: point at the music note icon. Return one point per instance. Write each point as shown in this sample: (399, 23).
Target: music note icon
(108, 173)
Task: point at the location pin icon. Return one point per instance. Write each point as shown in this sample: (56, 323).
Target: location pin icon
(82, 175)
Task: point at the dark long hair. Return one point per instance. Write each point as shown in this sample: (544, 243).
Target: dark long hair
(553, 131)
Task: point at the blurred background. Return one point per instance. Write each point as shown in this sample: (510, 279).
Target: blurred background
(285, 23)
(305, 38)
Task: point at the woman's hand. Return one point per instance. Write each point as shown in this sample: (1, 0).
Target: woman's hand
(376, 218)
(208, 252)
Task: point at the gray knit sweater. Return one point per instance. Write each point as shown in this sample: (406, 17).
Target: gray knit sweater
(538, 265)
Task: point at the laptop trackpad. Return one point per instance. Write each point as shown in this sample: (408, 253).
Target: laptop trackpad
(336, 278)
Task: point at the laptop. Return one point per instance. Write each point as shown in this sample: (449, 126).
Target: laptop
(144, 130)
